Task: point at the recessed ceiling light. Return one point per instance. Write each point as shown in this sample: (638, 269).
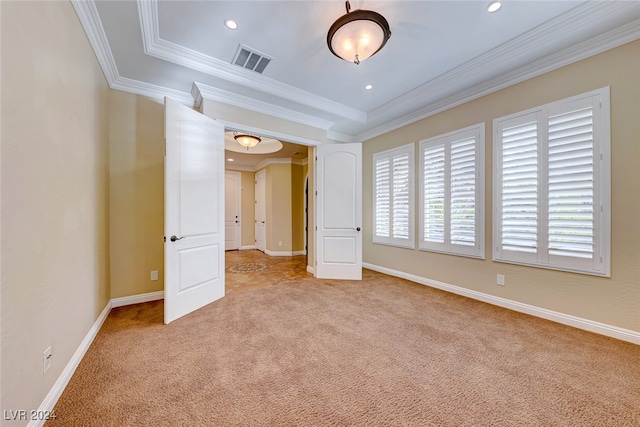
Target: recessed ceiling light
(231, 24)
(230, 160)
(494, 6)
(368, 87)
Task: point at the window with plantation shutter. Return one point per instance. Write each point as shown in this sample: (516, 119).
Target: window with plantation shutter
(393, 197)
(551, 185)
(452, 192)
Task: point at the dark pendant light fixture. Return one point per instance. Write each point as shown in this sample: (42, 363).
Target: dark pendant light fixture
(357, 35)
(246, 140)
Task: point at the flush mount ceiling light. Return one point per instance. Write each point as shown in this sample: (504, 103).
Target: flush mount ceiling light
(230, 24)
(357, 35)
(246, 140)
(494, 6)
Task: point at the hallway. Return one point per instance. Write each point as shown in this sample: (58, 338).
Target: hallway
(252, 269)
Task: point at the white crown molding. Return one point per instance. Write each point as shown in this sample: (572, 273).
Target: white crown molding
(340, 137)
(152, 91)
(229, 166)
(229, 125)
(566, 319)
(90, 20)
(201, 91)
(155, 46)
(609, 40)
(576, 18)
(285, 161)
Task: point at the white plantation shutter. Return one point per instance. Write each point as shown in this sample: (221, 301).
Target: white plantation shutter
(382, 188)
(519, 192)
(433, 206)
(401, 208)
(393, 196)
(463, 192)
(552, 169)
(452, 196)
(571, 184)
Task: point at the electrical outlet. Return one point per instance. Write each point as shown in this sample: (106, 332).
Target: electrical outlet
(154, 275)
(279, 242)
(46, 360)
(500, 279)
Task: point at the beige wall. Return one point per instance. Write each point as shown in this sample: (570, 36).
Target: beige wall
(136, 150)
(285, 188)
(248, 209)
(55, 189)
(279, 209)
(614, 301)
(297, 208)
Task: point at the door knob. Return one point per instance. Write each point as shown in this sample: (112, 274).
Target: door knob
(358, 229)
(174, 238)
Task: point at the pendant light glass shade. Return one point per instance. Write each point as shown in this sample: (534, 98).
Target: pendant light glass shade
(358, 35)
(246, 140)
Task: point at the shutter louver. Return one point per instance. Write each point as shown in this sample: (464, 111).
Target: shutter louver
(382, 197)
(463, 192)
(434, 188)
(401, 197)
(571, 186)
(520, 188)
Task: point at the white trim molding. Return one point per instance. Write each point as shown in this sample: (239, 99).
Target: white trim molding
(283, 253)
(54, 394)
(311, 270)
(247, 248)
(609, 40)
(566, 319)
(201, 91)
(61, 383)
(169, 51)
(137, 299)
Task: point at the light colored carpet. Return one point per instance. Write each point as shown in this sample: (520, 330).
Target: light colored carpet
(381, 352)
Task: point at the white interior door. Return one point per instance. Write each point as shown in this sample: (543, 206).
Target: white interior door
(261, 211)
(194, 211)
(339, 211)
(232, 191)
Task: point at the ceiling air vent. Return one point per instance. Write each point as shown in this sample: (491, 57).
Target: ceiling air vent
(251, 59)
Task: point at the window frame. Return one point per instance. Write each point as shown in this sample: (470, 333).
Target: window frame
(600, 264)
(477, 132)
(409, 243)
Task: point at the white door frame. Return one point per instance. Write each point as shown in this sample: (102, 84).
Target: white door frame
(261, 209)
(236, 222)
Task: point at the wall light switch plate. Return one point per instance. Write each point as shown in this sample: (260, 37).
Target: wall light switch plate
(500, 279)
(154, 275)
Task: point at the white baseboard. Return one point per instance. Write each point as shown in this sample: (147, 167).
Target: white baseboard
(296, 253)
(61, 383)
(566, 319)
(311, 270)
(137, 299)
(247, 248)
(282, 253)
